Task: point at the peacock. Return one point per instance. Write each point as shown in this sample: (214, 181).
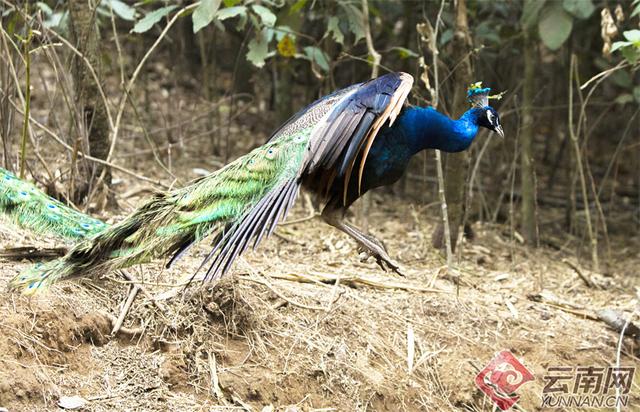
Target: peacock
(339, 147)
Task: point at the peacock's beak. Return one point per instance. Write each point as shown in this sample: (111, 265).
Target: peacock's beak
(498, 129)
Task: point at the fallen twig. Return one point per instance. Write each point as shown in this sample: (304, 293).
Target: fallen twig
(617, 322)
(287, 238)
(355, 281)
(130, 278)
(125, 309)
(311, 216)
(583, 276)
(281, 296)
(130, 332)
(31, 252)
(552, 300)
(215, 383)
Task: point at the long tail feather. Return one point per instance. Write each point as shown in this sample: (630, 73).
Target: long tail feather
(39, 277)
(24, 204)
(238, 202)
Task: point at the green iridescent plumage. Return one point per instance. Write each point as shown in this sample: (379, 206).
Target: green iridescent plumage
(25, 205)
(170, 222)
(323, 147)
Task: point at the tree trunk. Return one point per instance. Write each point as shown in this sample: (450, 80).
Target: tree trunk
(457, 163)
(527, 183)
(85, 34)
(283, 77)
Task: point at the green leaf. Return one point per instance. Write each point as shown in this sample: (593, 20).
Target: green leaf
(144, 24)
(56, 20)
(624, 98)
(622, 78)
(45, 8)
(486, 31)
(318, 56)
(204, 14)
(121, 9)
(281, 32)
(530, 13)
(446, 37)
(404, 53)
(632, 54)
(333, 27)
(230, 3)
(618, 44)
(266, 16)
(356, 23)
(554, 26)
(230, 12)
(636, 93)
(297, 6)
(581, 9)
(258, 48)
(632, 35)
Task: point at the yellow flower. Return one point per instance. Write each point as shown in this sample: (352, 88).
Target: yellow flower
(287, 47)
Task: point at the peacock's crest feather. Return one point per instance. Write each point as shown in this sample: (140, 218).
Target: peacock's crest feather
(479, 96)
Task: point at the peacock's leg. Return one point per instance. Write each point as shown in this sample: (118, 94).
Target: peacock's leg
(335, 217)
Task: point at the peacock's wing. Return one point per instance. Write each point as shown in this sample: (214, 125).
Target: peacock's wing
(334, 131)
(348, 130)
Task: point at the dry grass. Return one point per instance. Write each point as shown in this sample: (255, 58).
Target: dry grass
(282, 332)
(301, 324)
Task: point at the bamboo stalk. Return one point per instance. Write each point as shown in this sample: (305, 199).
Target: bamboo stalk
(445, 214)
(27, 94)
(583, 184)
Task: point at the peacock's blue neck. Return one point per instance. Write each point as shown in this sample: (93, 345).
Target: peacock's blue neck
(415, 129)
(426, 128)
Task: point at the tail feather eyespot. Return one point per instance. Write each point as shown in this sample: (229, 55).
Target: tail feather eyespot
(271, 154)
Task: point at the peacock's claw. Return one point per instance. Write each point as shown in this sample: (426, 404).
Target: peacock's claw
(394, 266)
(382, 258)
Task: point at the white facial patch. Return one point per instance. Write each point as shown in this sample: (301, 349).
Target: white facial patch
(491, 117)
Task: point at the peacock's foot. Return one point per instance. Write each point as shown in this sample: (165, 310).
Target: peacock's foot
(379, 253)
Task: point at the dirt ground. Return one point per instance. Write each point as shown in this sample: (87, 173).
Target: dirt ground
(302, 324)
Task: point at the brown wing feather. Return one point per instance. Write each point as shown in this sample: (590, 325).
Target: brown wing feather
(350, 127)
(391, 113)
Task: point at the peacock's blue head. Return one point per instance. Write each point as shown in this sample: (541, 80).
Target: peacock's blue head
(486, 115)
(489, 118)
